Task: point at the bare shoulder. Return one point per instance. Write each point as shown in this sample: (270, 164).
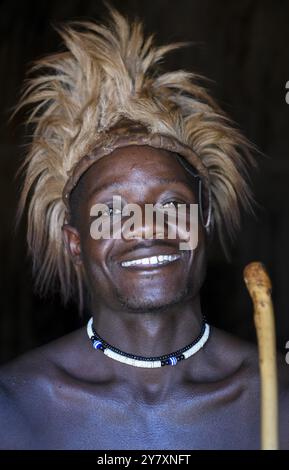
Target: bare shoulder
(246, 355)
(237, 350)
(236, 353)
(15, 379)
(28, 385)
(13, 424)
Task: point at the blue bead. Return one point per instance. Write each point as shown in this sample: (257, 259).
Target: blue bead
(97, 344)
(173, 360)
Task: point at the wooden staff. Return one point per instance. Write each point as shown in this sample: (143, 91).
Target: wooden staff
(259, 286)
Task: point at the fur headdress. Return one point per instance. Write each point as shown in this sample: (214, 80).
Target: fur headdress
(106, 82)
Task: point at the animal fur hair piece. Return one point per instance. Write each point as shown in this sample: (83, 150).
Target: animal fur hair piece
(108, 73)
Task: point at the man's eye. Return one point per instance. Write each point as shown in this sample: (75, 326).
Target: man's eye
(110, 212)
(170, 205)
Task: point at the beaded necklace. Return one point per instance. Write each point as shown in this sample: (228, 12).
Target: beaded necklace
(149, 362)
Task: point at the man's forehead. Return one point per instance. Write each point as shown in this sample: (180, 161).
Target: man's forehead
(133, 160)
(137, 156)
(120, 184)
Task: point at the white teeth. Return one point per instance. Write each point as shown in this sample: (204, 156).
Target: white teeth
(153, 260)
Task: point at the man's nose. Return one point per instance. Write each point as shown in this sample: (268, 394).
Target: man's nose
(145, 226)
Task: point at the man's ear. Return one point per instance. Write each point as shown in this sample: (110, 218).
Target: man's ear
(71, 240)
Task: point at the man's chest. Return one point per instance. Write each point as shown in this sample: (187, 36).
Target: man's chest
(113, 425)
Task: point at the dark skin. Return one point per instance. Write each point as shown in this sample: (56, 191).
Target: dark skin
(66, 395)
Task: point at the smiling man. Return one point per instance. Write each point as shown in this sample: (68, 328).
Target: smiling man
(147, 371)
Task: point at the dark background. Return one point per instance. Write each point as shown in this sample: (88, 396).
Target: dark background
(242, 46)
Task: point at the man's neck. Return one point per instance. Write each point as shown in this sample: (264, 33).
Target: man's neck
(150, 334)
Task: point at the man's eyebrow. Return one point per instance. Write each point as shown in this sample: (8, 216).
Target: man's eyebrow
(121, 184)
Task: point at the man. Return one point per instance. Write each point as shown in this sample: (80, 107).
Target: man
(147, 372)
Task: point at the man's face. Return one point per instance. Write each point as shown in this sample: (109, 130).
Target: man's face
(139, 175)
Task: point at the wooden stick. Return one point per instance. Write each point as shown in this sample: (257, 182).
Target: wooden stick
(259, 287)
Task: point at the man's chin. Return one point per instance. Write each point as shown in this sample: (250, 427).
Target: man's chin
(148, 305)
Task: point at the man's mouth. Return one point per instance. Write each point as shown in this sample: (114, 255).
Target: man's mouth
(151, 261)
